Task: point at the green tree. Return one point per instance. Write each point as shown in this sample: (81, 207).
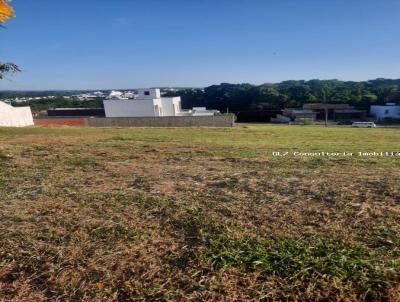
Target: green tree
(6, 12)
(7, 68)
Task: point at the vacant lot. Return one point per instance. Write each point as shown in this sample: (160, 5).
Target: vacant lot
(198, 214)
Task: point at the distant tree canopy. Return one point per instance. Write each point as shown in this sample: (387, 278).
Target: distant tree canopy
(270, 97)
(6, 68)
(41, 105)
(251, 103)
(6, 12)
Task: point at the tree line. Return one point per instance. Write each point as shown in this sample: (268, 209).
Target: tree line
(271, 97)
(253, 102)
(40, 106)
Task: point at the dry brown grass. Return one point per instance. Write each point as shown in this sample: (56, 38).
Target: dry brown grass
(150, 215)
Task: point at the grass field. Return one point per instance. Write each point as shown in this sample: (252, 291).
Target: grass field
(199, 214)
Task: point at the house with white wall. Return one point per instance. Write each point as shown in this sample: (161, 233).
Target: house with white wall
(388, 111)
(202, 111)
(149, 103)
(15, 116)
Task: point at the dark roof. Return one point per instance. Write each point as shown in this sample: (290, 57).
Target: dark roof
(326, 106)
(79, 109)
(64, 112)
(349, 111)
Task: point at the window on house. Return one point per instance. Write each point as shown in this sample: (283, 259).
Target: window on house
(147, 93)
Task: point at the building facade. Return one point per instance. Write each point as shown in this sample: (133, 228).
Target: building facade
(390, 111)
(149, 103)
(340, 113)
(15, 116)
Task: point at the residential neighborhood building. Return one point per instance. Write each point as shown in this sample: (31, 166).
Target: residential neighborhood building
(389, 111)
(297, 114)
(149, 102)
(15, 116)
(280, 118)
(202, 111)
(340, 113)
(349, 115)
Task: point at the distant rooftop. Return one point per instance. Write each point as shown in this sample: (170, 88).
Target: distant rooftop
(319, 106)
(75, 109)
(349, 111)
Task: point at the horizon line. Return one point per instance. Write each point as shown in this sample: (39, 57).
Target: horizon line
(198, 87)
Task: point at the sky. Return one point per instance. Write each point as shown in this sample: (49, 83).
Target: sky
(120, 44)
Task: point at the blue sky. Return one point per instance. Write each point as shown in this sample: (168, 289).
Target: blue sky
(99, 44)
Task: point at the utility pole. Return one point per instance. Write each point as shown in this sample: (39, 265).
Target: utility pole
(326, 109)
(326, 117)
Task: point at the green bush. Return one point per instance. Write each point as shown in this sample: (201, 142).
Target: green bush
(305, 259)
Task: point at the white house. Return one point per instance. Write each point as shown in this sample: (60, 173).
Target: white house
(149, 103)
(388, 111)
(202, 111)
(15, 116)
